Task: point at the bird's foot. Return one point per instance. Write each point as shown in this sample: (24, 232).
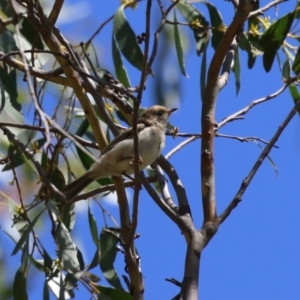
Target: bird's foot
(139, 161)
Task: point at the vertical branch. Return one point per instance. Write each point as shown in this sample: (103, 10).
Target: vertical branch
(136, 106)
(129, 249)
(213, 86)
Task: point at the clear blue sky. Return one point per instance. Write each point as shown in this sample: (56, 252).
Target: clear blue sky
(255, 254)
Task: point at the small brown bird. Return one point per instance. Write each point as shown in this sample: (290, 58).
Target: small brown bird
(116, 159)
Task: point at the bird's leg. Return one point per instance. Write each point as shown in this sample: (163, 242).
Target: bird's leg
(131, 178)
(139, 161)
(128, 176)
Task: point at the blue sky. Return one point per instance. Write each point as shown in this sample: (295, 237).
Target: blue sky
(255, 254)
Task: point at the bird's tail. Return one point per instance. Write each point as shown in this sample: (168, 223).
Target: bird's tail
(75, 187)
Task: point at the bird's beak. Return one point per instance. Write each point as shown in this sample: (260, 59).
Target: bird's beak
(171, 110)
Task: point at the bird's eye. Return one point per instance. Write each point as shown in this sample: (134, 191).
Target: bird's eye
(160, 113)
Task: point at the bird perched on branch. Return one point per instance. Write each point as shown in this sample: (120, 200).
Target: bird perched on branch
(118, 157)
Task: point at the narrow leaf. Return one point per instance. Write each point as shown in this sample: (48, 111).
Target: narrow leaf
(179, 47)
(2, 100)
(31, 35)
(197, 23)
(25, 234)
(296, 64)
(203, 73)
(237, 71)
(113, 293)
(108, 243)
(67, 249)
(126, 39)
(273, 38)
(216, 22)
(93, 226)
(286, 69)
(120, 70)
(96, 259)
(294, 93)
(46, 294)
(19, 287)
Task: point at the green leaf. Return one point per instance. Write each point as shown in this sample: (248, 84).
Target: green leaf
(108, 243)
(18, 158)
(80, 259)
(46, 294)
(197, 23)
(273, 38)
(3, 98)
(126, 39)
(294, 93)
(67, 249)
(179, 47)
(96, 258)
(87, 161)
(6, 8)
(93, 226)
(9, 82)
(19, 220)
(216, 22)
(25, 234)
(286, 69)
(113, 294)
(296, 64)
(120, 70)
(237, 71)
(203, 73)
(7, 42)
(31, 35)
(68, 215)
(19, 287)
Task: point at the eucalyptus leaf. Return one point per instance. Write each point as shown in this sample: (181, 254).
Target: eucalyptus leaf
(108, 243)
(178, 47)
(273, 38)
(126, 39)
(197, 22)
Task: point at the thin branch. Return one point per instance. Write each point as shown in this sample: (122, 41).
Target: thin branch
(158, 30)
(243, 139)
(184, 206)
(165, 189)
(31, 89)
(181, 145)
(107, 188)
(258, 163)
(98, 31)
(237, 115)
(261, 10)
(56, 8)
(37, 165)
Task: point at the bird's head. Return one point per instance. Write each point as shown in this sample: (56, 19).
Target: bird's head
(157, 114)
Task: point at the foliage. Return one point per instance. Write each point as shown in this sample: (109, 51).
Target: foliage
(33, 49)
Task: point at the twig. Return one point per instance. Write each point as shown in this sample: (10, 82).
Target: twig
(243, 139)
(53, 16)
(165, 189)
(258, 163)
(158, 30)
(37, 165)
(243, 111)
(181, 145)
(107, 188)
(184, 206)
(261, 10)
(98, 31)
(31, 89)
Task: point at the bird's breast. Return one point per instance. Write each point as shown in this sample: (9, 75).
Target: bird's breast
(151, 142)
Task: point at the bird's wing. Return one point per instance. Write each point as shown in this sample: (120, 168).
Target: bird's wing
(125, 135)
